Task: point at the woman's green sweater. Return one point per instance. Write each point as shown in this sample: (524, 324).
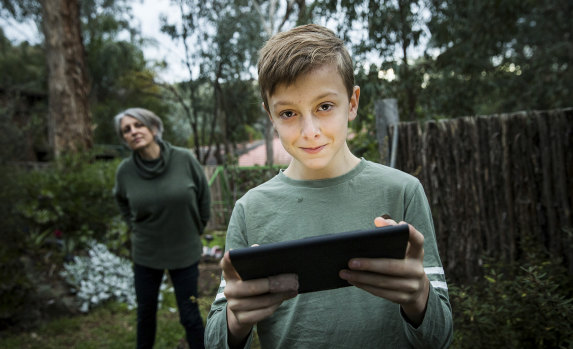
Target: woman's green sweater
(166, 203)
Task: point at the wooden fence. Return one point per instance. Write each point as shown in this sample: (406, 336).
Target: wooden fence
(492, 180)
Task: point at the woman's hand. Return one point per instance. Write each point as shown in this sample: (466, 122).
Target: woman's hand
(401, 281)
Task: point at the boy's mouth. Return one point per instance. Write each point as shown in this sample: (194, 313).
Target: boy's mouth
(313, 150)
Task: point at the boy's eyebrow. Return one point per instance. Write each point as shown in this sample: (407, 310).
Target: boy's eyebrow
(324, 95)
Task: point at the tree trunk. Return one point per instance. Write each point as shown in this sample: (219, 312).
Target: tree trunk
(269, 140)
(69, 118)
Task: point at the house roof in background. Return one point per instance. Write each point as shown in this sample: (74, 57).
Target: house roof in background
(257, 154)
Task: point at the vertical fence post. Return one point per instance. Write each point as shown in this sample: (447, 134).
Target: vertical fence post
(386, 112)
(269, 138)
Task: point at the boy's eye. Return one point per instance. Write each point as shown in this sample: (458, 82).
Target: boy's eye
(325, 107)
(286, 114)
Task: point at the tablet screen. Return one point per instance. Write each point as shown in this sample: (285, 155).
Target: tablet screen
(318, 260)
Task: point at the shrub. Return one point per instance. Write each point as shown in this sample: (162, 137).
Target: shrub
(16, 290)
(71, 199)
(522, 305)
(102, 276)
(49, 213)
(244, 178)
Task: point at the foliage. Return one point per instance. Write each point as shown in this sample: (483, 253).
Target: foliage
(20, 9)
(15, 286)
(214, 238)
(362, 140)
(118, 72)
(16, 289)
(120, 77)
(23, 100)
(244, 178)
(102, 276)
(386, 31)
(522, 305)
(523, 46)
(219, 98)
(447, 61)
(48, 214)
(72, 198)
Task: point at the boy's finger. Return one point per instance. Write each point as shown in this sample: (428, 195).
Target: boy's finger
(278, 284)
(380, 222)
(383, 221)
(229, 272)
(283, 283)
(415, 243)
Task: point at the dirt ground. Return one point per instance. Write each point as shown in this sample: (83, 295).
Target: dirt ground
(209, 277)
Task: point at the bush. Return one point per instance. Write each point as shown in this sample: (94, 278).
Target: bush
(244, 178)
(16, 290)
(48, 214)
(71, 200)
(522, 305)
(102, 276)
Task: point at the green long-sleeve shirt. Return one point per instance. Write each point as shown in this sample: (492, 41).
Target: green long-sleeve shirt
(167, 205)
(285, 209)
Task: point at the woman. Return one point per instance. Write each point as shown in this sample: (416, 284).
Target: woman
(163, 195)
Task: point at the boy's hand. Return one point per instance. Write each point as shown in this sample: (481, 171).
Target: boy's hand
(249, 302)
(401, 281)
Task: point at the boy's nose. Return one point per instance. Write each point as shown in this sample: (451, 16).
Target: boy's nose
(310, 127)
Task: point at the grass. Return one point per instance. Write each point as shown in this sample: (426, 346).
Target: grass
(109, 326)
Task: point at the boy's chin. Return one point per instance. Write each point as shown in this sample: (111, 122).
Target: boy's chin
(311, 168)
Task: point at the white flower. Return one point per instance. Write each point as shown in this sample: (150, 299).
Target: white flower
(103, 276)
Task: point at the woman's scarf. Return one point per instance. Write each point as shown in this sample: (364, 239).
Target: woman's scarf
(151, 169)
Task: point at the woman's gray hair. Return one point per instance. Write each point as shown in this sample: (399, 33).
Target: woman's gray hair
(147, 117)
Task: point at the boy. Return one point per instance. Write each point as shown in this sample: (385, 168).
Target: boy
(307, 84)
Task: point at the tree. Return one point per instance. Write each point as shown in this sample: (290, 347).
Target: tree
(397, 26)
(119, 74)
(518, 59)
(390, 30)
(220, 41)
(69, 116)
(23, 101)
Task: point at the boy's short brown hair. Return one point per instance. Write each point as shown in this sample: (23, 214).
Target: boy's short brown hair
(289, 54)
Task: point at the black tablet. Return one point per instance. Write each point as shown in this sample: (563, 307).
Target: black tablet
(318, 260)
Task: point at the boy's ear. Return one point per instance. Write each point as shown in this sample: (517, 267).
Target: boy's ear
(354, 99)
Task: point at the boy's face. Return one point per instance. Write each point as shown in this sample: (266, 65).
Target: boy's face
(311, 117)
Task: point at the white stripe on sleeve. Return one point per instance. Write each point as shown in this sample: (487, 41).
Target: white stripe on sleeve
(439, 284)
(434, 270)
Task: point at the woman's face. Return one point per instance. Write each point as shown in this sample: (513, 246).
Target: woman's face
(135, 134)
